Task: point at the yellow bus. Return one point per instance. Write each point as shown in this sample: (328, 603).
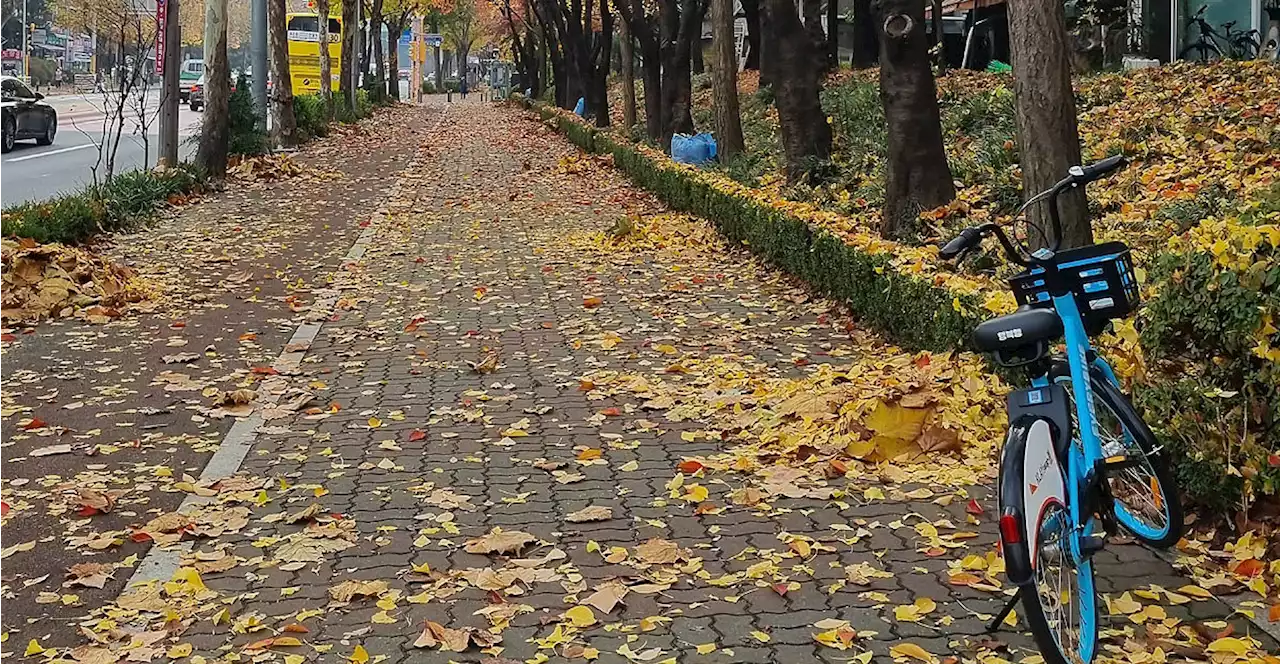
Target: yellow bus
(304, 51)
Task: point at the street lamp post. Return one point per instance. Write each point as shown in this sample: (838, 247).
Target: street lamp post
(26, 44)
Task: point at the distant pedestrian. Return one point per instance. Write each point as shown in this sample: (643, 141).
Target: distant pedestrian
(462, 87)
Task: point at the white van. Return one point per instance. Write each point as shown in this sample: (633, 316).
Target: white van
(189, 73)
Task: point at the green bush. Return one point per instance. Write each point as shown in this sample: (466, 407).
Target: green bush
(246, 136)
(311, 115)
(451, 85)
(129, 198)
(1210, 336)
(428, 87)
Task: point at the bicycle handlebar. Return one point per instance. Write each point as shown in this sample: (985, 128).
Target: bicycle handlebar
(1077, 176)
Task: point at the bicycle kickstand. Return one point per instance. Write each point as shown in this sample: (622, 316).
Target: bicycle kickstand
(994, 625)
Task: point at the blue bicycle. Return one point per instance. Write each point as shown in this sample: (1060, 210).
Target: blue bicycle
(1078, 463)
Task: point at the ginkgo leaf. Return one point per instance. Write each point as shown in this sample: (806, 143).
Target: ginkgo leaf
(580, 616)
(912, 651)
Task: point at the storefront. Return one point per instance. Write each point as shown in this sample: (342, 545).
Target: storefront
(1226, 19)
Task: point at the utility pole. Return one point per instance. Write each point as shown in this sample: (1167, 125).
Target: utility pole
(26, 44)
(168, 61)
(417, 53)
(258, 59)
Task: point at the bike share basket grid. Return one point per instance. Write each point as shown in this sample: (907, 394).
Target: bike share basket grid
(1101, 277)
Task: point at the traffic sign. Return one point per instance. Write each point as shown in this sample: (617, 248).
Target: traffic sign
(433, 39)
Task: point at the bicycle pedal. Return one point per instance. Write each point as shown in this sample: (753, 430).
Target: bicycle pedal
(1092, 544)
(1119, 463)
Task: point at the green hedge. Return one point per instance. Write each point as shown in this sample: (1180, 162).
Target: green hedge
(128, 199)
(1213, 386)
(914, 313)
(1210, 333)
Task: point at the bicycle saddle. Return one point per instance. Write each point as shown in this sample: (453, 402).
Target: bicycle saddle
(1228, 25)
(1025, 326)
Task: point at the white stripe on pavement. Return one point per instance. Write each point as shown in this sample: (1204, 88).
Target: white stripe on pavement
(50, 152)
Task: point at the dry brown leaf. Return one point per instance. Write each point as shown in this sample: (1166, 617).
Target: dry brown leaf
(607, 596)
(89, 575)
(500, 541)
(658, 551)
(593, 513)
(352, 588)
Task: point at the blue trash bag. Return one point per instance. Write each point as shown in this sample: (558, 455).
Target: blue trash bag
(696, 150)
(581, 109)
(710, 142)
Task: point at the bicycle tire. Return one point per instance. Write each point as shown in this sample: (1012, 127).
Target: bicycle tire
(1043, 610)
(1042, 627)
(1202, 53)
(1141, 435)
(1246, 48)
(1145, 439)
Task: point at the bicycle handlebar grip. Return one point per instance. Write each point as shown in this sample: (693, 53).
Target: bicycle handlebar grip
(958, 244)
(1100, 168)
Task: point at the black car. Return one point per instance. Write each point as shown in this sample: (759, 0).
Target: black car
(23, 115)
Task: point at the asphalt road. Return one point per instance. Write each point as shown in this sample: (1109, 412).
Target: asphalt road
(35, 173)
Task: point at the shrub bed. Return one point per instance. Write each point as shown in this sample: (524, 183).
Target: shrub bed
(1203, 368)
(127, 199)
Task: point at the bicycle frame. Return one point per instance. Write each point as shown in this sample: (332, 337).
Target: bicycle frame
(1087, 455)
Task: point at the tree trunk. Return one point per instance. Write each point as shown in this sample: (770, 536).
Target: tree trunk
(628, 77)
(751, 12)
(806, 136)
(833, 33)
(347, 65)
(1045, 114)
(680, 20)
(651, 77)
(813, 25)
(696, 63)
(393, 59)
(865, 36)
(215, 133)
(641, 27)
(768, 46)
(326, 64)
(375, 36)
(284, 124)
(918, 177)
(724, 81)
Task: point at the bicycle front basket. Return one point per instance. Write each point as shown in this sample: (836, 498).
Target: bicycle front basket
(1101, 277)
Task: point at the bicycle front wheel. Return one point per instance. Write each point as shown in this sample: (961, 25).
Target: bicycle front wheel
(1061, 604)
(1144, 494)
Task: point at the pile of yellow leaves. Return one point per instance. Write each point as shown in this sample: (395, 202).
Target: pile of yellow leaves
(57, 281)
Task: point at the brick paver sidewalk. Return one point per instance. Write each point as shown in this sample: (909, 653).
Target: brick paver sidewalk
(490, 364)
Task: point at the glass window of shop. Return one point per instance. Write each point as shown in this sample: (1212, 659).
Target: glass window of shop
(1217, 13)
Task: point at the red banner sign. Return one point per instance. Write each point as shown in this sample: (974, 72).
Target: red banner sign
(160, 30)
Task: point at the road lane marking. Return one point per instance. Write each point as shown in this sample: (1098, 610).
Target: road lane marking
(49, 153)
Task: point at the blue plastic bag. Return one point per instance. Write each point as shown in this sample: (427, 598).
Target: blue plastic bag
(581, 109)
(710, 142)
(697, 150)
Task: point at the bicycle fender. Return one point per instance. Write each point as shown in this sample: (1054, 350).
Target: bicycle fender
(1031, 480)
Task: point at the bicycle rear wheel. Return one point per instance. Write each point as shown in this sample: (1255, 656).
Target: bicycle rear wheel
(1061, 603)
(1038, 534)
(1199, 53)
